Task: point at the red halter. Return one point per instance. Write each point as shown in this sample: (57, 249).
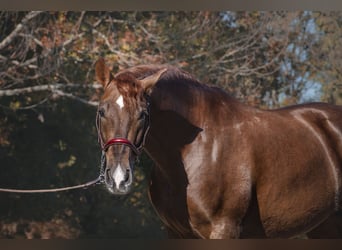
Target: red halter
(121, 141)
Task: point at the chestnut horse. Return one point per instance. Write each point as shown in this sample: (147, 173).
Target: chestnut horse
(222, 169)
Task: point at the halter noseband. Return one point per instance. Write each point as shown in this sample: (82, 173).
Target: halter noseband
(121, 141)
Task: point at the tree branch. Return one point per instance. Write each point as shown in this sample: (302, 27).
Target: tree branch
(47, 87)
(17, 29)
(61, 93)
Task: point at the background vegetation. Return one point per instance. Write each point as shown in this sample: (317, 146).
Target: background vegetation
(48, 98)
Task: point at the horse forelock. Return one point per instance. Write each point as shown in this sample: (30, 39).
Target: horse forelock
(124, 86)
(128, 85)
(179, 84)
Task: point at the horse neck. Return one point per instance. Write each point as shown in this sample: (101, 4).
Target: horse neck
(178, 114)
(193, 101)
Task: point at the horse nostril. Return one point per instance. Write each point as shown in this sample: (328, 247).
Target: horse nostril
(108, 178)
(127, 175)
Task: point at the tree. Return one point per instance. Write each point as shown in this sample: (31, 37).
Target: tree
(326, 55)
(48, 97)
(257, 56)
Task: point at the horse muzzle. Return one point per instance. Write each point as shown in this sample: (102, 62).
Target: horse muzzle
(119, 179)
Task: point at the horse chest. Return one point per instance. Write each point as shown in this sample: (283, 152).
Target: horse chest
(171, 205)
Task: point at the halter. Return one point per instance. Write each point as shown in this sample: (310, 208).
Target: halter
(123, 141)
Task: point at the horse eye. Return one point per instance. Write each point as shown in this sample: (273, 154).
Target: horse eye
(101, 112)
(142, 115)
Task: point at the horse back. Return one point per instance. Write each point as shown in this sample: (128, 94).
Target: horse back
(298, 167)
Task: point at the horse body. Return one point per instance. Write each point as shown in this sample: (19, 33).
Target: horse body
(292, 158)
(227, 170)
(299, 168)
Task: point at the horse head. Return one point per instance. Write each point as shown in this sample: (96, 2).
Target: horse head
(122, 122)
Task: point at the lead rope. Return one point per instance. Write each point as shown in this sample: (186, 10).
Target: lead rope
(102, 168)
(98, 180)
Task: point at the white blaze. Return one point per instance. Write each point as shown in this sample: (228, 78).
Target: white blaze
(214, 152)
(118, 176)
(120, 102)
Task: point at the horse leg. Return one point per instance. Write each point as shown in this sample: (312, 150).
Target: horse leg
(172, 234)
(251, 223)
(225, 228)
(329, 229)
(250, 227)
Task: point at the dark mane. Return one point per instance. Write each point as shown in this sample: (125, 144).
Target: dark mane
(172, 73)
(174, 77)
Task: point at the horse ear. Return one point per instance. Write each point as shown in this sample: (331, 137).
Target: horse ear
(102, 72)
(148, 82)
